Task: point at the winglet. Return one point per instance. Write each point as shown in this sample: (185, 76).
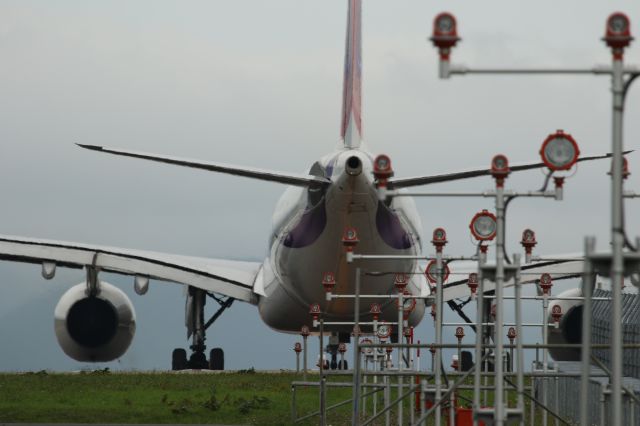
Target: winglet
(351, 130)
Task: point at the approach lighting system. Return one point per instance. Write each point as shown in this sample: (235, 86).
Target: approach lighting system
(400, 281)
(432, 272)
(473, 283)
(382, 169)
(328, 281)
(445, 34)
(350, 239)
(408, 303)
(384, 331)
(528, 242)
(546, 283)
(304, 331)
(375, 311)
(297, 347)
(439, 239)
(618, 33)
(484, 226)
(556, 314)
(500, 169)
(559, 151)
(625, 169)
(366, 351)
(315, 311)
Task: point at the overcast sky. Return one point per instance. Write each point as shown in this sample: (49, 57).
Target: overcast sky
(259, 83)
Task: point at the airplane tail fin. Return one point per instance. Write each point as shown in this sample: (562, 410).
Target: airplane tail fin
(351, 130)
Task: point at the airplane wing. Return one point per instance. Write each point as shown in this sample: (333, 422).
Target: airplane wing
(447, 177)
(230, 278)
(268, 175)
(558, 268)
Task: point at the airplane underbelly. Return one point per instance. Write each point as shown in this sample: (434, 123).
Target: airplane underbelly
(300, 270)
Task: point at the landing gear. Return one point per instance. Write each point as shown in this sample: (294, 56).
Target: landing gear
(196, 329)
(216, 359)
(179, 359)
(333, 349)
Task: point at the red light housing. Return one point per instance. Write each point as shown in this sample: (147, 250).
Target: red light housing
(459, 333)
(500, 168)
(484, 226)
(297, 347)
(400, 281)
(556, 313)
(528, 240)
(439, 239)
(511, 334)
(559, 151)
(546, 283)
(350, 238)
(304, 331)
(618, 33)
(445, 34)
(328, 281)
(375, 311)
(342, 348)
(432, 273)
(473, 283)
(315, 311)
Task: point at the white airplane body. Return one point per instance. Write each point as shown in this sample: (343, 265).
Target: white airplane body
(94, 322)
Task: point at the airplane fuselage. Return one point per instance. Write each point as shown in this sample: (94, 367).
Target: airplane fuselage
(307, 242)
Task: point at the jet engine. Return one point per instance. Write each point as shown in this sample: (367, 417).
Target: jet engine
(569, 328)
(94, 328)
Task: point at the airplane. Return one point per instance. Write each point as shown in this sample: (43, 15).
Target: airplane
(95, 321)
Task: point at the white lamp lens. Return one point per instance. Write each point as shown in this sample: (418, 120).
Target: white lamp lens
(560, 152)
(484, 226)
(445, 24)
(618, 24)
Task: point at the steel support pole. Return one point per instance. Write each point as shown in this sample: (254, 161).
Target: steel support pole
(387, 400)
(355, 419)
(304, 359)
(585, 352)
(617, 241)
(400, 340)
(545, 354)
(423, 399)
(479, 339)
(498, 365)
(438, 358)
(519, 337)
(376, 367)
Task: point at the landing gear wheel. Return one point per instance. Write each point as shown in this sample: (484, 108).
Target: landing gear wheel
(342, 365)
(216, 359)
(179, 359)
(198, 361)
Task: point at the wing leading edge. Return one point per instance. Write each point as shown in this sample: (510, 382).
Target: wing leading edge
(230, 278)
(448, 177)
(260, 174)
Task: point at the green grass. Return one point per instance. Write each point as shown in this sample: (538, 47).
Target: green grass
(102, 397)
(245, 397)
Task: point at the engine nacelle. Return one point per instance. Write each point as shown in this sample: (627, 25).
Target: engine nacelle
(570, 326)
(95, 329)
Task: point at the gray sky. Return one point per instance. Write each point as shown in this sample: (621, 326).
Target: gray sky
(259, 83)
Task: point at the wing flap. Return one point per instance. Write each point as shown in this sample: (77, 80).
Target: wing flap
(231, 278)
